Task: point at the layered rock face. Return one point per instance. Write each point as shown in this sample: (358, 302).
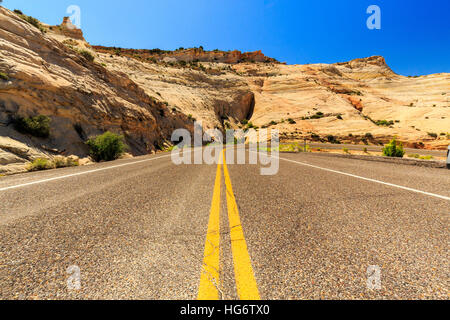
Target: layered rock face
(212, 99)
(82, 98)
(146, 94)
(351, 99)
(189, 55)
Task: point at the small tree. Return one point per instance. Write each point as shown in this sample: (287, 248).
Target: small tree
(106, 147)
(394, 149)
(38, 126)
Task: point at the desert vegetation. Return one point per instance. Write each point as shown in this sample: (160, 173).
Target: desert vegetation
(38, 126)
(58, 162)
(33, 21)
(394, 149)
(106, 147)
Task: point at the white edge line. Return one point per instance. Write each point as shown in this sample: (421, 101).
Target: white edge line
(80, 173)
(363, 178)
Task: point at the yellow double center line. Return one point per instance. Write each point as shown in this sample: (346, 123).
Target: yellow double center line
(243, 271)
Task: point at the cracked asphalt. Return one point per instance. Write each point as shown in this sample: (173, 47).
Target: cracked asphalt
(138, 230)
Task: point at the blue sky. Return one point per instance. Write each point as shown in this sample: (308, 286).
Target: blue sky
(414, 36)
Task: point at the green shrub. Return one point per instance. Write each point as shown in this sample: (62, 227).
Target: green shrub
(433, 135)
(365, 150)
(291, 121)
(414, 155)
(339, 117)
(332, 139)
(384, 123)
(106, 147)
(368, 135)
(318, 115)
(4, 76)
(40, 164)
(244, 122)
(63, 162)
(38, 126)
(345, 150)
(17, 11)
(33, 21)
(87, 55)
(394, 149)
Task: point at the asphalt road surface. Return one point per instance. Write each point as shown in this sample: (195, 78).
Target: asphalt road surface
(145, 228)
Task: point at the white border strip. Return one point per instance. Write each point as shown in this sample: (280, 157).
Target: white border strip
(80, 173)
(366, 179)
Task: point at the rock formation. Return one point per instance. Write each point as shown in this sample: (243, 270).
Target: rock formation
(189, 55)
(146, 94)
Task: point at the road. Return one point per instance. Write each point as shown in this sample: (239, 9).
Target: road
(145, 228)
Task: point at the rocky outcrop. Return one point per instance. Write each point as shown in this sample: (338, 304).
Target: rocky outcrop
(68, 29)
(351, 98)
(189, 55)
(146, 94)
(82, 98)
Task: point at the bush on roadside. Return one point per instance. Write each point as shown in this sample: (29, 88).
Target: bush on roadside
(106, 147)
(40, 164)
(63, 162)
(38, 126)
(58, 162)
(394, 149)
(333, 139)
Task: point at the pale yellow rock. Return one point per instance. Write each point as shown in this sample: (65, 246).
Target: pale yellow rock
(147, 101)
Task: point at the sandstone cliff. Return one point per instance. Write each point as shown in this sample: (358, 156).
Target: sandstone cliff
(352, 99)
(81, 97)
(146, 94)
